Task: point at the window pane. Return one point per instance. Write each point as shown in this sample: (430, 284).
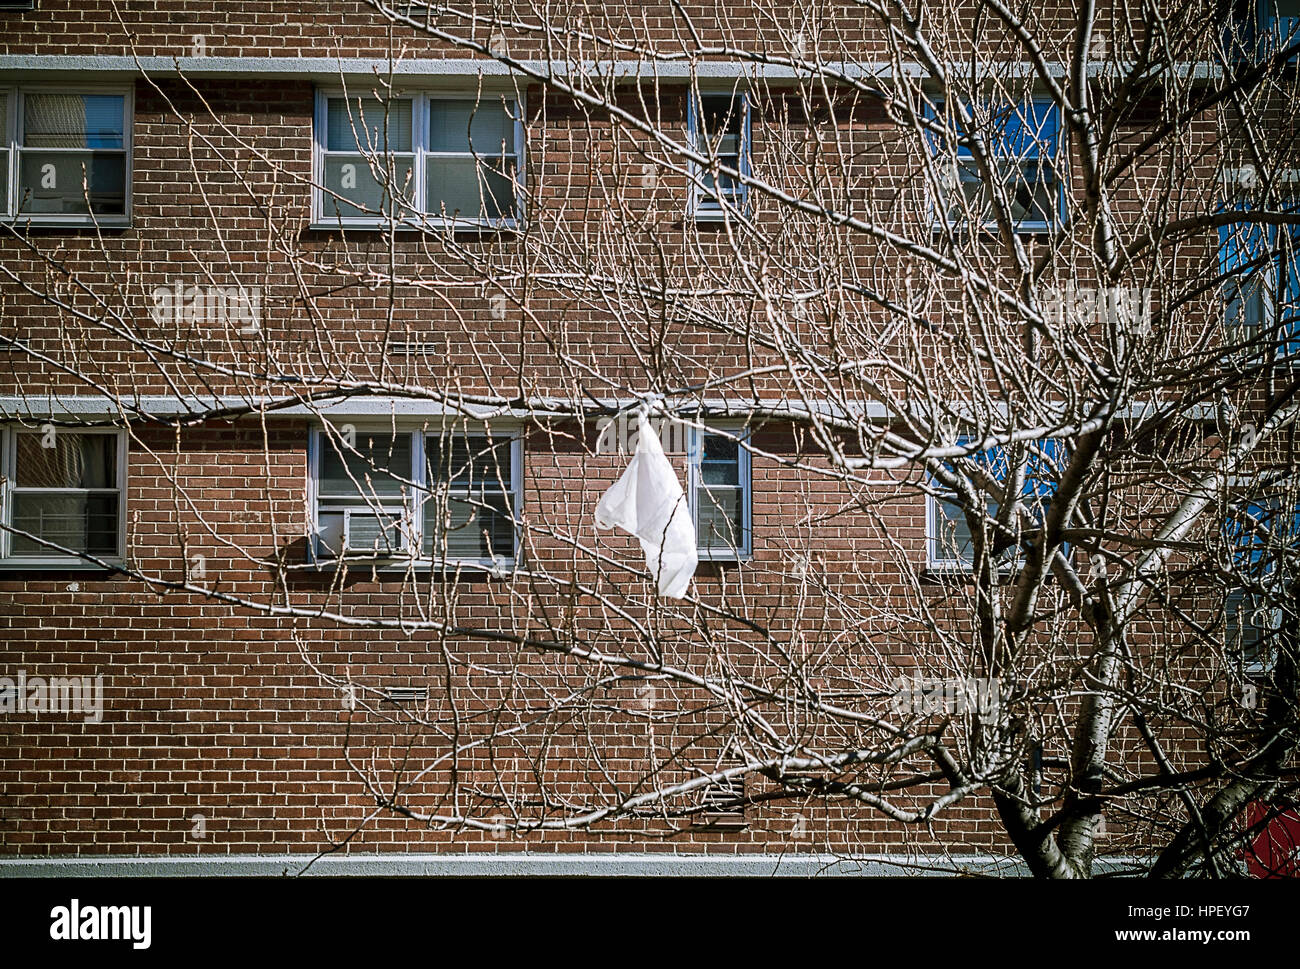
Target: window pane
(721, 518)
(74, 121)
(468, 462)
(1249, 623)
(1030, 189)
(1020, 130)
(52, 183)
(4, 152)
(360, 125)
(77, 523)
(472, 514)
(485, 127)
(720, 120)
(477, 529)
(720, 461)
(351, 177)
(469, 189)
(1243, 302)
(953, 537)
(73, 461)
(368, 473)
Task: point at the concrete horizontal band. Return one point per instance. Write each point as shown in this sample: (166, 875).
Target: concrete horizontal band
(454, 69)
(90, 408)
(524, 864)
(451, 68)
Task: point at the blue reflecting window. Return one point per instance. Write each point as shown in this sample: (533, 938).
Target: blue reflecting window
(1259, 534)
(950, 540)
(1260, 272)
(1022, 140)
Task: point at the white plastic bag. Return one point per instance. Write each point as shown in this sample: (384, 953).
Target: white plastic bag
(648, 502)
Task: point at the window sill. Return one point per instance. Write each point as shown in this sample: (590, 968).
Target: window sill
(501, 568)
(963, 571)
(457, 226)
(991, 228)
(723, 557)
(109, 566)
(716, 216)
(115, 222)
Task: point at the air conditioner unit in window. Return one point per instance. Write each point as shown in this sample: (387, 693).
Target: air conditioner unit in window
(360, 532)
(370, 532)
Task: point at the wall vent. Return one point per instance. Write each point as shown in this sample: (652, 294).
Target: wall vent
(406, 694)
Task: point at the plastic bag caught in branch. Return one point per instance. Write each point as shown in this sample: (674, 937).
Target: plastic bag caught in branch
(648, 502)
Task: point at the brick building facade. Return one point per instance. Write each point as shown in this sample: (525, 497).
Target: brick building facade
(314, 498)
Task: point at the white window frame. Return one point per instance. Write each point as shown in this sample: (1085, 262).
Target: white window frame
(8, 477)
(413, 505)
(13, 135)
(703, 204)
(745, 485)
(940, 208)
(421, 218)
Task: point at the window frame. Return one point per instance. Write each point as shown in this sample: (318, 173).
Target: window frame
(745, 485)
(939, 209)
(700, 204)
(17, 98)
(421, 217)
(413, 505)
(8, 475)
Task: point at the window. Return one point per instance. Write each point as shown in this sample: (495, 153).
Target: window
(62, 496)
(66, 156)
(1022, 141)
(1280, 23)
(368, 157)
(1260, 534)
(718, 128)
(469, 513)
(418, 159)
(719, 494)
(435, 497)
(1259, 266)
(1255, 29)
(949, 541)
(1250, 624)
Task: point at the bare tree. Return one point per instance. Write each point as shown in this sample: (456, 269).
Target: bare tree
(996, 303)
